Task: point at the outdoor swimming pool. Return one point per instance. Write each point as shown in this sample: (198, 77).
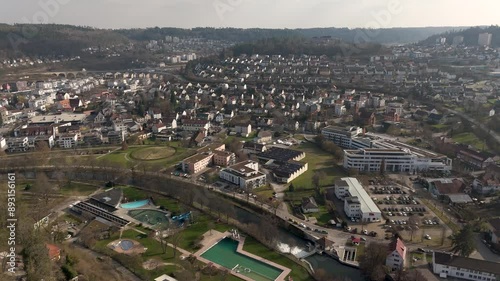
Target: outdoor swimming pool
(224, 253)
(126, 245)
(134, 205)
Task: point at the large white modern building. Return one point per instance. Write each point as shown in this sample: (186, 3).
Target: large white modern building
(244, 174)
(396, 157)
(448, 265)
(357, 202)
(341, 136)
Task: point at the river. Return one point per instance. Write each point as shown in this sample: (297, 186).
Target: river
(289, 243)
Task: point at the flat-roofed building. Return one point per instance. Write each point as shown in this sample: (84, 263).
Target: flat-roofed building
(397, 157)
(357, 202)
(341, 136)
(76, 118)
(245, 174)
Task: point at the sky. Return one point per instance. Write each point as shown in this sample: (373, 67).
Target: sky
(253, 13)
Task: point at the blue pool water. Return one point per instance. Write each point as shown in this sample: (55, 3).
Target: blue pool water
(134, 205)
(126, 245)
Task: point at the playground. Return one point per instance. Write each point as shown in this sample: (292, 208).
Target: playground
(127, 246)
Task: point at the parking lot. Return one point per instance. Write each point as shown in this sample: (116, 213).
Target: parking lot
(404, 212)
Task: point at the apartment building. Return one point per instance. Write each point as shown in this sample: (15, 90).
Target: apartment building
(357, 202)
(197, 162)
(244, 174)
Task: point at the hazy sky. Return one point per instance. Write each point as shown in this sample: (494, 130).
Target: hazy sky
(253, 13)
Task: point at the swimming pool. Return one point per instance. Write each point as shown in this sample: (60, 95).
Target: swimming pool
(134, 205)
(224, 253)
(126, 245)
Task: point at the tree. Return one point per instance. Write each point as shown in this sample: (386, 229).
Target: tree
(291, 188)
(372, 261)
(413, 222)
(382, 167)
(124, 145)
(463, 241)
(316, 179)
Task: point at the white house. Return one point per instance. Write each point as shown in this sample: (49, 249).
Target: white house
(449, 265)
(244, 129)
(309, 205)
(3, 143)
(395, 260)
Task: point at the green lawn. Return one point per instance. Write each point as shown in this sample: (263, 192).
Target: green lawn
(194, 233)
(440, 126)
(469, 138)
(123, 159)
(78, 189)
(264, 192)
(298, 273)
(318, 160)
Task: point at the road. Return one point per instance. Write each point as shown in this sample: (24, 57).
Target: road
(483, 252)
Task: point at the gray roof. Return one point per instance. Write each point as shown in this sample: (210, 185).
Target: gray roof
(462, 262)
(459, 198)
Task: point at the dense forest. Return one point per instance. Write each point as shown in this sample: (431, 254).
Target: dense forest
(67, 40)
(299, 45)
(470, 35)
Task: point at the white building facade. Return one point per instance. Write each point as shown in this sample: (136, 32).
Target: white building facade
(357, 202)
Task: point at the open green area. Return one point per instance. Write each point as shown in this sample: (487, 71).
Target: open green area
(299, 273)
(152, 153)
(440, 127)
(318, 161)
(153, 157)
(154, 251)
(78, 189)
(469, 138)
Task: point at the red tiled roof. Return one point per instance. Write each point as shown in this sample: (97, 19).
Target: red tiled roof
(54, 251)
(399, 246)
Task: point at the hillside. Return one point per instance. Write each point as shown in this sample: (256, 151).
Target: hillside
(67, 40)
(470, 36)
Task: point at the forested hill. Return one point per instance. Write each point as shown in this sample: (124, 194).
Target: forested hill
(67, 40)
(52, 39)
(470, 35)
(300, 45)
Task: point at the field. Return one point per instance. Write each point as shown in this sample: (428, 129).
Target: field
(152, 153)
(151, 157)
(318, 161)
(469, 138)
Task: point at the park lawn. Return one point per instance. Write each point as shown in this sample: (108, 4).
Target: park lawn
(440, 126)
(468, 138)
(193, 234)
(299, 273)
(78, 189)
(133, 194)
(318, 160)
(263, 192)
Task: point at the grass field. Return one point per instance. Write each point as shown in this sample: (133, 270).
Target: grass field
(318, 161)
(252, 246)
(469, 138)
(155, 157)
(152, 153)
(78, 189)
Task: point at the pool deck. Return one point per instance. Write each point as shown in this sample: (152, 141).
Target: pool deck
(210, 240)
